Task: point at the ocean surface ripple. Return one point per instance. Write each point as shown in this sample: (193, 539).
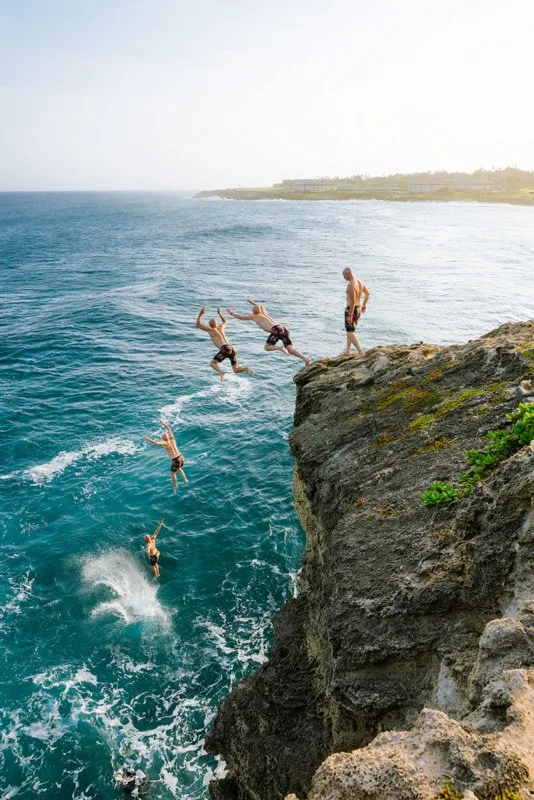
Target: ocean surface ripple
(102, 665)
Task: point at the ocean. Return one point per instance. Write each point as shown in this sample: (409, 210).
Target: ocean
(103, 666)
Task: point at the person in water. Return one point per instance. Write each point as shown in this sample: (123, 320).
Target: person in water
(277, 333)
(152, 551)
(218, 337)
(171, 448)
(356, 289)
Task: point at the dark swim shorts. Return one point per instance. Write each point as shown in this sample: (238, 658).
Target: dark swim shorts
(154, 559)
(352, 321)
(279, 333)
(177, 463)
(226, 351)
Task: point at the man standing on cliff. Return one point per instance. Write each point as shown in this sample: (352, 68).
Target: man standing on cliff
(354, 309)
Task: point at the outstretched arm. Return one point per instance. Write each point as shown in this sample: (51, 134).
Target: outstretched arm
(366, 295)
(199, 322)
(153, 441)
(239, 316)
(168, 429)
(223, 318)
(155, 534)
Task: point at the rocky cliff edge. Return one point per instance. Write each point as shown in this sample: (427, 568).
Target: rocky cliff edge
(403, 667)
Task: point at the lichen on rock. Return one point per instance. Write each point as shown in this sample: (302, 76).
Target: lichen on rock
(405, 660)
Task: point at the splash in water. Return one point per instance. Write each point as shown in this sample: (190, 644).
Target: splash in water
(134, 595)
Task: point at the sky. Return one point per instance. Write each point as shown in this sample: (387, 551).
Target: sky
(167, 94)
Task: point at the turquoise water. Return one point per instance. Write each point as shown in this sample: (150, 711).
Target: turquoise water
(102, 665)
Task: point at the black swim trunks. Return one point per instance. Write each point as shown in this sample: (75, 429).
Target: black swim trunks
(177, 463)
(153, 559)
(279, 333)
(352, 320)
(226, 351)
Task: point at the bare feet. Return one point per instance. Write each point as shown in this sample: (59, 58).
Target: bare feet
(307, 361)
(222, 377)
(250, 372)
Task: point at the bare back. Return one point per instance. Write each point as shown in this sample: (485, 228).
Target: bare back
(217, 335)
(150, 547)
(264, 320)
(171, 447)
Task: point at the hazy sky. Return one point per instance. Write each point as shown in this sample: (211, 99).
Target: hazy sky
(166, 94)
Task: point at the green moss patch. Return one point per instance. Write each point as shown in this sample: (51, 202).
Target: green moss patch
(435, 444)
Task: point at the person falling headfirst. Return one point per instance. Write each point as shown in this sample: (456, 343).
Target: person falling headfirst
(171, 448)
(354, 309)
(152, 551)
(218, 337)
(277, 333)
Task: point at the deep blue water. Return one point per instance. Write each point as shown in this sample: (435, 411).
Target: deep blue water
(103, 666)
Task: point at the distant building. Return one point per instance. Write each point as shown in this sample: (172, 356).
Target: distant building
(313, 185)
(454, 187)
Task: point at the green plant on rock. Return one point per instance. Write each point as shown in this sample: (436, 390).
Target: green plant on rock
(523, 419)
(449, 792)
(502, 443)
(483, 462)
(439, 493)
(507, 794)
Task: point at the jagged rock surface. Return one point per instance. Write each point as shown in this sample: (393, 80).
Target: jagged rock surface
(402, 608)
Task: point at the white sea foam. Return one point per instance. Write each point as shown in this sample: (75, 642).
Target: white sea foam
(44, 473)
(21, 591)
(234, 391)
(134, 595)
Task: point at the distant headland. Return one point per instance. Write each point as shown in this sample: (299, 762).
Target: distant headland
(509, 185)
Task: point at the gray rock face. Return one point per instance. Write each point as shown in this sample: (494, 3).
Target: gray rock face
(402, 607)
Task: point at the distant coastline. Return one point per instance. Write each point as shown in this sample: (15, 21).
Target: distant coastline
(510, 185)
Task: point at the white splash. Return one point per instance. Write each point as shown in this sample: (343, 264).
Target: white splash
(216, 398)
(44, 473)
(134, 595)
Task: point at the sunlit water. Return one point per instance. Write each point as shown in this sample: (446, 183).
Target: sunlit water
(103, 666)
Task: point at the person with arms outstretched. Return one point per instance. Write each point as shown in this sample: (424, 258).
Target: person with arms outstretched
(152, 551)
(356, 289)
(217, 335)
(171, 448)
(277, 333)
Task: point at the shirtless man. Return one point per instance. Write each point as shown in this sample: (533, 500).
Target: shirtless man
(355, 308)
(277, 333)
(171, 448)
(152, 551)
(218, 337)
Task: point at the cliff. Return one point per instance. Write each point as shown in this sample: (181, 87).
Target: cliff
(407, 653)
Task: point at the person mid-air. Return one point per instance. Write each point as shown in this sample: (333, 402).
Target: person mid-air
(218, 337)
(354, 309)
(171, 448)
(277, 333)
(152, 551)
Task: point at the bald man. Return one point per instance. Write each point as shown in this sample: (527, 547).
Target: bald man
(356, 290)
(217, 334)
(277, 333)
